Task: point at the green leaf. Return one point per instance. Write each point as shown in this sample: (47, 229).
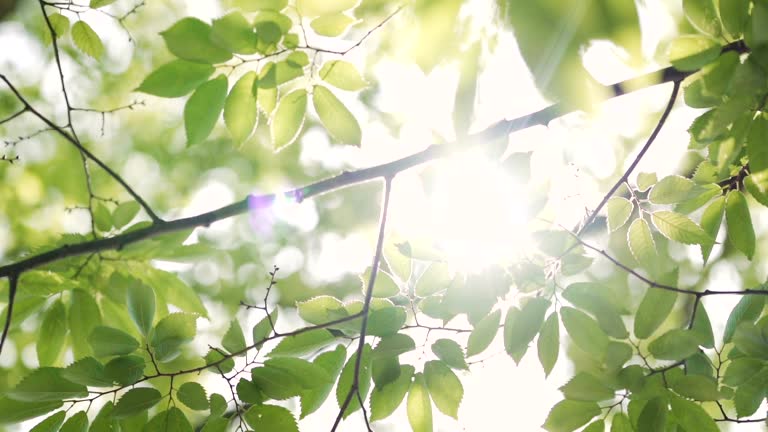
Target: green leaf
(331, 25)
(234, 33)
(83, 316)
(586, 387)
(218, 404)
(757, 144)
(653, 417)
(51, 424)
(702, 327)
(46, 384)
(259, 5)
(691, 416)
(171, 333)
(710, 223)
(518, 333)
(741, 370)
(331, 362)
(263, 328)
(675, 344)
(135, 401)
(653, 310)
(88, 372)
(616, 354)
(172, 420)
(202, 110)
(102, 218)
(109, 341)
(312, 8)
(60, 25)
(234, 340)
(288, 118)
(216, 424)
(620, 423)
(307, 374)
(175, 79)
(593, 298)
(418, 407)
(384, 286)
(671, 189)
(691, 52)
(240, 112)
(386, 321)
(646, 180)
(450, 352)
(444, 387)
(734, 15)
(569, 415)
(584, 331)
(303, 343)
(342, 75)
(679, 228)
(192, 394)
(77, 423)
(124, 213)
(13, 411)
(385, 399)
(619, 210)
(336, 118)
(190, 39)
(270, 418)
(86, 40)
(125, 370)
(54, 330)
(740, 231)
(276, 383)
(748, 309)
(548, 344)
(249, 392)
(346, 379)
(750, 340)
(702, 14)
(140, 302)
(437, 277)
(484, 333)
(393, 346)
(100, 3)
(595, 426)
(641, 244)
(750, 395)
(696, 387)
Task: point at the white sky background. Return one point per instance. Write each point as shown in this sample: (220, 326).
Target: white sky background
(498, 394)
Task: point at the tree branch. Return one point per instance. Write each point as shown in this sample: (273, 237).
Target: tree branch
(13, 281)
(366, 308)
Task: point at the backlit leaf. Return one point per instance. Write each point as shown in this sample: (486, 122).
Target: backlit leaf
(696, 387)
(444, 387)
(76, 423)
(331, 25)
(702, 327)
(584, 331)
(641, 244)
(520, 332)
(13, 411)
(109, 341)
(450, 352)
(740, 231)
(202, 110)
(60, 25)
(311, 8)
(171, 420)
(88, 372)
(346, 379)
(190, 39)
(691, 416)
(734, 14)
(263, 328)
(702, 14)
(675, 344)
(586, 387)
(331, 362)
(86, 40)
(50, 424)
(653, 417)
(83, 316)
(691, 52)
(336, 118)
(386, 399)
(653, 310)
(619, 210)
(343, 75)
(303, 343)
(679, 228)
(548, 344)
(710, 223)
(175, 79)
(234, 340)
(484, 333)
(171, 333)
(234, 33)
(569, 415)
(240, 112)
(419, 407)
(288, 118)
(746, 310)
(671, 189)
(125, 370)
(54, 330)
(46, 384)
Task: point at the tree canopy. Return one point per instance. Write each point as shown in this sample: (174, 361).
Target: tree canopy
(203, 209)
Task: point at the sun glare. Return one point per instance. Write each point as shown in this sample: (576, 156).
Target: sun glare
(478, 213)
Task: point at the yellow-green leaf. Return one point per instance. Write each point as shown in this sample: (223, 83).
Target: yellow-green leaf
(619, 210)
(710, 223)
(53, 330)
(653, 310)
(548, 344)
(288, 118)
(343, 75)
(691, 52)
(484, 333)
(419, 407)
(312, 8)
(190, 39)
(331, 25)
(569, 415)
(270, 418)
(386, 399)
(175, 79)
(444, 387)
(336, 118)
(86, 40)
(641, 244)
(702, 14)
(679, 228)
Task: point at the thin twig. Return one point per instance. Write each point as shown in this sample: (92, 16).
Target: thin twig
(13, 281)
(366, 306)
